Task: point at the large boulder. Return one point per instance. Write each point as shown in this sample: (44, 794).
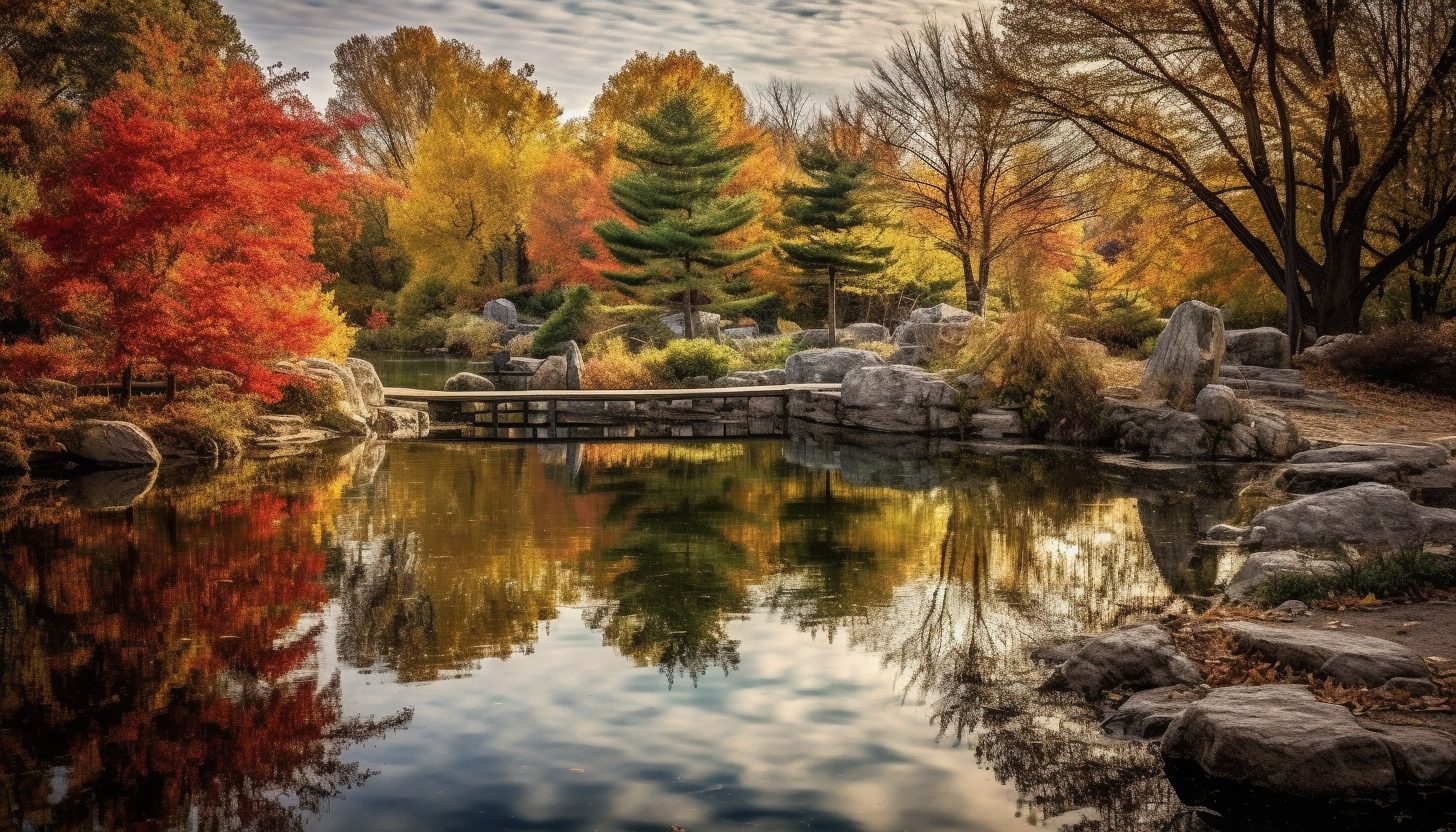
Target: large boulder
(927, 333)
(118, 444)
(941, 313)
(1261, 347)
(1159, 429)
(1187, 355)
(1349, 659)
(911, 354)
(709, 324)
(1279, 737)
(1261, 567)
(551, 375)
(1140, 656)
(810, 339)
(826, 366)
(371, 389)
(468, 383)
(1370, 516)
(1146, 714)
(1326, 468)
(573, 366)
(899, 399)
(501, 311)
(352, 404)
(401, 423)
(752, 378)
(863, 333)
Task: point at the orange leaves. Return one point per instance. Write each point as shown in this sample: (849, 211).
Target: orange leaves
(570, 198)
(179, 229)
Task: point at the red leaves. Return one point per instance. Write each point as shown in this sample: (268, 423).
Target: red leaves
(180, 228)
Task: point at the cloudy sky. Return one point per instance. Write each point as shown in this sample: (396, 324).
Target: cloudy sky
(575, 44)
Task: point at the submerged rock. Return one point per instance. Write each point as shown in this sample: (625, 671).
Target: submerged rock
(1146, 714)
(1187, 355)
(1139, 656)
(1280, 737)
(1368, 516)
(1349, 659)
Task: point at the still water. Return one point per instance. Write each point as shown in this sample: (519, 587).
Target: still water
(763, 635)
(421, 372)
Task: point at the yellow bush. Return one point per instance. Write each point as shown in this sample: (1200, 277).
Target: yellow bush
(466, 332)
(1031, 369)
(611, 366)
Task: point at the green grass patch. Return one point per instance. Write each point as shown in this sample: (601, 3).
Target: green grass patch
(1400, 575)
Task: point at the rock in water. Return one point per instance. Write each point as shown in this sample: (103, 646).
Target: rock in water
(371, 389)
(1187, 355)
(401, 423)
(1146, 714)
(898, 399)
(573, 366)
(1217, 404)
(1280, 737)
(1263, 566)
(1369, 516)
(501, 311)
(468, 383)
(1351, 660)
(826, 366)
(1262, 347)
(551, 375)
(113, 443)
(1140, 656)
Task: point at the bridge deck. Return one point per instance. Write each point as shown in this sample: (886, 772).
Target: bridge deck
(410, 394)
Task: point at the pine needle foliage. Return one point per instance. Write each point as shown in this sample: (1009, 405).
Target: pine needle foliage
(675, 202)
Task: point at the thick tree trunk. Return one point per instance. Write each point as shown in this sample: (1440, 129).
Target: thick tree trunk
(833, 313)
(171, 387)
(968, 273)
(523, 259)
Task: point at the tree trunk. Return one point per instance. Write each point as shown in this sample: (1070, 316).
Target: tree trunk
(833, 313)
(690, 316)
(523, 259)
(171, 387)
(968, 273)
(983, 280)
(126, 374)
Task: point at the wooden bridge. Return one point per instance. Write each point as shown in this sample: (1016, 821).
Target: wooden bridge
(590, 414)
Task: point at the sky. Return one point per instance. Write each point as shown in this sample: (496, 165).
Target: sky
(825, 45)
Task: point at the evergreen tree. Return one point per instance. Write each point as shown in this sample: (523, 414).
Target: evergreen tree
(674, 200)
(822, 213)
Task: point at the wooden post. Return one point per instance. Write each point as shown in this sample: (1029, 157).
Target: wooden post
(552, 408)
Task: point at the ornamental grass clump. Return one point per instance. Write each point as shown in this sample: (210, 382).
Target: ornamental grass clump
(1030, 369)
(469, 334)
(610, 365)
(1410, 574)
(691, 358)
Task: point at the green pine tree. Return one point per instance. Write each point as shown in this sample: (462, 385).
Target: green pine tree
(674, 200)
(823, 216)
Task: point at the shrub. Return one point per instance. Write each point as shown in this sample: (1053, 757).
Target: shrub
(638, 325)
(1030, 369)
(568, 323)
(765, 353)
(423, 296)
(1399, 575)
(691, 357)
(767, 307)
(321, 404)
(542, 304)
(211, 420)
(612, 366)
(426, 334)
(1407, 354)
(469, 334)
(520, 345)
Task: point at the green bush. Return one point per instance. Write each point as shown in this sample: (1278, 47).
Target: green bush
(423, 296)
(769, 307)
(319, 403)
(469, 334)
(766, 353)
(542, 304)
(1400, 575)
(639, 325)
(429, 333)
(689, 358)
(569, 322)
(1030, 369)
(211, 420)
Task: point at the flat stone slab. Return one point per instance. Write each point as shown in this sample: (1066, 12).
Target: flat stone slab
(1280, 737)
(1146, 714)
(1351, 660)
(1408, 458)
(1369, 516)
(1139, 657)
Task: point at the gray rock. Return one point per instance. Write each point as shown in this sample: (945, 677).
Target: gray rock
(551, 375)
(1410, 686)
(1291, 608)
(1187, 355)
(741, 333)
(926, 334)
(501, 311)
(1369, 516)
(1159, 429)
(1280, 737)
(113, 443)
(940, 313)
(828, 366)
(1314, 477)
(525, 364)
(1223, 532)
(811, 339)
(468, 382)
(863, 333)
(1323, 349)
(1262, 347)
(995, 423)
(1423, 759)
(755, 378)
(1348, 659)
(911, 355)
(708, 324)
(898, 399)
(1217, 404)
(352, 400)
(1410, 459)
(1263, 566)
(1146, 714)
(371, 389)
(1140, 656)
(1122, 392)
(573, 366)
(1085, 347)
(401, 423)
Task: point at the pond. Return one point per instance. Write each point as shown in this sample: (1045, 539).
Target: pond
(421, 372)
(771, 635)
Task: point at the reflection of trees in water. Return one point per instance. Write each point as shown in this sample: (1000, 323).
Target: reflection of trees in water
(157, 666)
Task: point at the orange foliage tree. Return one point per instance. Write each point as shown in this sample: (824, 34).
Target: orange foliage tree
(179, 229)
(570, 198)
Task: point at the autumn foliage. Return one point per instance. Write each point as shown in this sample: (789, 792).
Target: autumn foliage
(179, 230)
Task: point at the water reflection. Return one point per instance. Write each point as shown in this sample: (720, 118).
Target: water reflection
(143, 637)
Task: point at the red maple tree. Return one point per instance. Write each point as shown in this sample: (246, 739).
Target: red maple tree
(180, 227)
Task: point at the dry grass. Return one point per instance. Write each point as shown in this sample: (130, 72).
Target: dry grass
(1121, 372)
(1383, 414)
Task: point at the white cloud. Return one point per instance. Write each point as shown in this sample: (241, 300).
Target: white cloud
(575, 44)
